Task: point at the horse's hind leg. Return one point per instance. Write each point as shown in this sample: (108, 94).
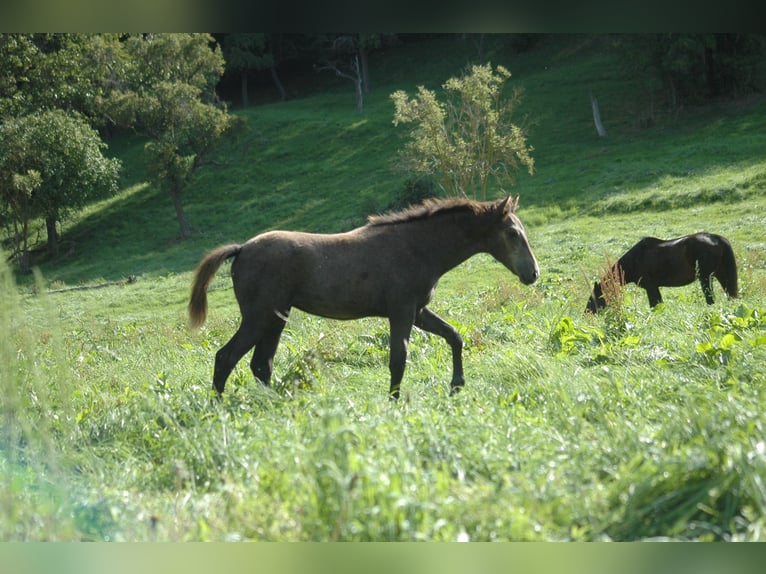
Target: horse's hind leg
(706, 265)
(706, 281)
(229, 355)
(653, 293)
(705, 270)
(262, 362)
(725, 282)
(431, 322)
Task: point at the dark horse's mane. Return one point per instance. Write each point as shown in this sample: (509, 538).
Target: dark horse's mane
(427, 208)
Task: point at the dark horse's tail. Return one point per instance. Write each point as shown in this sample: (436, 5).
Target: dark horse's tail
(728, 274)
(202, 277)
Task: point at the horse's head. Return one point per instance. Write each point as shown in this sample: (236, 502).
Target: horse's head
(509, 245)
(596, 300)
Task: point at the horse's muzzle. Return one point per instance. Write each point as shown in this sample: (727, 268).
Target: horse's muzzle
(531, 277)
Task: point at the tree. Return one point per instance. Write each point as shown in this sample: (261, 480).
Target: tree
(247, 52)
(72, 72)
(468, 140)
(347, 55)
(343, 58)
(51, 163)
(18, 212)
(169, 94)
(365, 43)
(18, 59)
(190, 128)
(81, 71)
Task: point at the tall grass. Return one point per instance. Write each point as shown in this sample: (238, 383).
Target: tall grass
(37, 420)
(566, 430)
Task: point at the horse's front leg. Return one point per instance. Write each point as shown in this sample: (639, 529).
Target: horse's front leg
(401, 327)
(431, 322)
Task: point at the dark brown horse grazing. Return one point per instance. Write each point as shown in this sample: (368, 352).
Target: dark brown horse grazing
(653, 263)
(387, 268)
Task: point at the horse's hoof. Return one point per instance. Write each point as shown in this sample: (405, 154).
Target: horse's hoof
(455, 389)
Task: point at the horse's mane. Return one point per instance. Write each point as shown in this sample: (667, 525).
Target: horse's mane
(427, 208)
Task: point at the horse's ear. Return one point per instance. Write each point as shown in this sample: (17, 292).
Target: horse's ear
(509, 205)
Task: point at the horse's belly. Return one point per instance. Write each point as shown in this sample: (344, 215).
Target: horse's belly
(332, 310)
(339, 302)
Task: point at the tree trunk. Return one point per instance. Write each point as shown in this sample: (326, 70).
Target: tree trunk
(365, 69)
(24, 262)
(597, 116)
(183, 223)
(243, 87)
(359, 95)
(278, 83)
(53, 239)
(357, 79)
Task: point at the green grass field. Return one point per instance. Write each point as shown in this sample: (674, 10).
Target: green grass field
(635, 424)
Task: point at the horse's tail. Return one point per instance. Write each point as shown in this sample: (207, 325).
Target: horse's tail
(728, 277)
(202, 277)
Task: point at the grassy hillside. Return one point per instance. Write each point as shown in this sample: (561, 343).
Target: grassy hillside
(314, 164)
(631, 425)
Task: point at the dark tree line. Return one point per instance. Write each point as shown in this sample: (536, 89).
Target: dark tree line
(689, 69)
(276, 62)
(679, 69)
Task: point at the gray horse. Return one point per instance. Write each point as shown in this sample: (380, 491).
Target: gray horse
(387, 268)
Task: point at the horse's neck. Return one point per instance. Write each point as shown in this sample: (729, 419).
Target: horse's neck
(456, 239)
(625, 270)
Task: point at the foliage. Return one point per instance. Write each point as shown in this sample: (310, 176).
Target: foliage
(169, 94)
(51, 164)
(469, 140)
(693, 68)
(72, 72)
(18, 55)
(18, 208)
(245, 52)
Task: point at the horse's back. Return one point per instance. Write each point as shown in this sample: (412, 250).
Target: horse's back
(659, 262)
(645, 243)
(340, 276)
(708, 245)
(640, 249)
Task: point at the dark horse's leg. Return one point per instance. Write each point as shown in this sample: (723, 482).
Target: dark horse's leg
(653, 292)
(258, 329)
(705, 267)
(401, 327)
(262, 362)
(431, 322)
(229, 355)
(707, 287)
